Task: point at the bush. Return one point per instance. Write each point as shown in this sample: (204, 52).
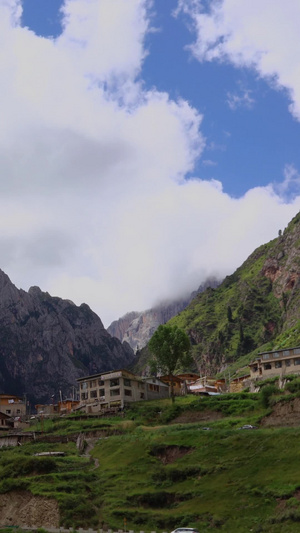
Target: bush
(293, 386)
(24, 466)
(266, 393)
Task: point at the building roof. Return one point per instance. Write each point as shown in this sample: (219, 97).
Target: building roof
(95, 376)
(10, 396)
(4, 415)
(279, 350)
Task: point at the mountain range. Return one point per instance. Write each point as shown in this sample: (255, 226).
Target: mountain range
(46, 343)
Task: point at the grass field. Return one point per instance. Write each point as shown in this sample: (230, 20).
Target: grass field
(159, 473)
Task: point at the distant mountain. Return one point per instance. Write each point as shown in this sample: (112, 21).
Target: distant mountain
(137, 328)
(46, 343)
(255, 309)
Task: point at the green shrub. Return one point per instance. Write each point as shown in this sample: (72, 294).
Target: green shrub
(266, 392)
(24, 466)
(293, 386)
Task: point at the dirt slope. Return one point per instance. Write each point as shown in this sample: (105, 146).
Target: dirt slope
(24, 509)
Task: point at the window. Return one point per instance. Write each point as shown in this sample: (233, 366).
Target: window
(154, 387)
(83, 385)
(254, 368)
(276, 354)
(18, 411)
(93, 384)
(297, 361)
(127, 392)
(266, 356)
(278, 364)
(84, 395)
(142, 395)
(297, 351)
(127, 382)
(93, 394)
(8, 411)
(286, 352)
(115, 392)
(114, 382)
(100, 382)
(288, 362)
(267, 366)
(102, 392)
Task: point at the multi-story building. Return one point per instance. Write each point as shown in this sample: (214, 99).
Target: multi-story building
(12, 405)
(276, 363)
(116, 389)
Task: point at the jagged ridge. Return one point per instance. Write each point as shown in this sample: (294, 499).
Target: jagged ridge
(46, 343)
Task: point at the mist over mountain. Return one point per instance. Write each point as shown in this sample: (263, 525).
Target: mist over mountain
(137, 328)
(255, 309)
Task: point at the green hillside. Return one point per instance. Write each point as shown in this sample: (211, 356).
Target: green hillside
(158, 467)
(254, 309)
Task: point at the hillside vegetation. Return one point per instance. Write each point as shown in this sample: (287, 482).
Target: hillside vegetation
(159, 467)
(255, 309)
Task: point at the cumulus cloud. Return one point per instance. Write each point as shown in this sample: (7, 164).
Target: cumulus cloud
(95, 205)
(259, 34)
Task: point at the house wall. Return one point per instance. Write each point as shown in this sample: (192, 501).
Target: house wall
(277, 363)
(156, 389)
(12, 405)
(107, 390)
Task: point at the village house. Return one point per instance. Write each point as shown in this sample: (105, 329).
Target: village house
(276, 363)
(12, 405)
(116, 389)
(62, 407)
(155, 388)
(178, 384)
(239, 384)
(5, 422)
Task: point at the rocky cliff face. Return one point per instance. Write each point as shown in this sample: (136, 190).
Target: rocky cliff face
(138, 328)
(46, 343)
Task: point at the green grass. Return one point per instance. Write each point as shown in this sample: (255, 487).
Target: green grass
(159, 473)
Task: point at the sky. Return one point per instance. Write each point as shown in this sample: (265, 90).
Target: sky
(145, 145)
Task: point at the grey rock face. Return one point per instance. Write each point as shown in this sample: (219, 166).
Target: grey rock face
(138, 328)
(46, 343)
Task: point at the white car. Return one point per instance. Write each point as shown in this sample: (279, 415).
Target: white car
(185, 530)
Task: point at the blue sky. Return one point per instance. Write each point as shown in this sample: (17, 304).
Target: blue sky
(247, 146)
(148, 144)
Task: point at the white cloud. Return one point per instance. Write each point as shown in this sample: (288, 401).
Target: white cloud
(261, 34)
(209, 163)
(239, 99)
(290, 186)
(94, 204)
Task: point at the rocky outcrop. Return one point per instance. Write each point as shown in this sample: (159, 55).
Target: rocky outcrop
(138, 328)
(46, 343)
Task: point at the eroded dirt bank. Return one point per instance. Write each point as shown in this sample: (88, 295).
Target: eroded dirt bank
(23, 509)
(284, 414)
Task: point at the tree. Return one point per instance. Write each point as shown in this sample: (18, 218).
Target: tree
(229, 314)
(170, 347)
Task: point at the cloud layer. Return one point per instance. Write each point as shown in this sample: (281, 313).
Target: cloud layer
(94, 203)
(259, 34)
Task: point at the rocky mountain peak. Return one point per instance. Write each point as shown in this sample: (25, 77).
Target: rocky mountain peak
(46, 343)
